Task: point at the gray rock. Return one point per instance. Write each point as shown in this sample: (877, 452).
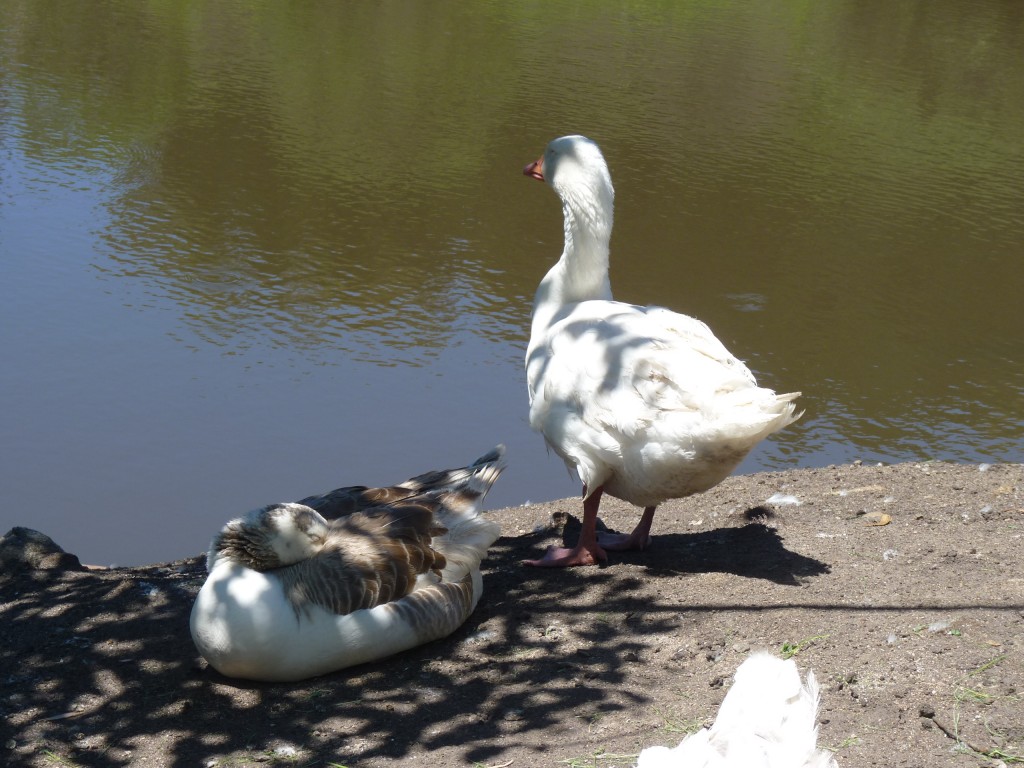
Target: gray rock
(23, 549)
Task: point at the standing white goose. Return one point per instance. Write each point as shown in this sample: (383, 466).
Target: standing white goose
(291, 594)
(767, 720)
(644, 403)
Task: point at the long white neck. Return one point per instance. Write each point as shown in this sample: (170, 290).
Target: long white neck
(581, 273)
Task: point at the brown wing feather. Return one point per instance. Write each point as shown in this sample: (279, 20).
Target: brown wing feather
(437, 610)
(342, 502)
(370, 558)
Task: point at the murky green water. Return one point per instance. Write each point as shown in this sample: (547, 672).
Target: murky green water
(253, 250)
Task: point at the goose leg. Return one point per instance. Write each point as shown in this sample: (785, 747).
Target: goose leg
(640, 538)
(587, 551)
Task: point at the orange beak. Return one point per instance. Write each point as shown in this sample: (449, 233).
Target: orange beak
(535, 169)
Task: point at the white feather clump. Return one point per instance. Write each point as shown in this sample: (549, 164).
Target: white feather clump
(768, 720)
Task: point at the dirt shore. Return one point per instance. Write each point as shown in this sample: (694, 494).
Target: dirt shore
(900, 586)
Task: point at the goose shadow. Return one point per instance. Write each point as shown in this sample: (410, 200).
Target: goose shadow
(752, 550)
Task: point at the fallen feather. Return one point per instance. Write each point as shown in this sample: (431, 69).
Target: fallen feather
(782, 499)
(861, 489)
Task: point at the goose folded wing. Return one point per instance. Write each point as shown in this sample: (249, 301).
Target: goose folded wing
(369, 559)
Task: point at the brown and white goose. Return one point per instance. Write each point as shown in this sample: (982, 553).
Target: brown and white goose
(301, 589)
(644, 403)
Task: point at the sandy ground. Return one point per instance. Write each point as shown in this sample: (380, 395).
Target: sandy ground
(900, 586)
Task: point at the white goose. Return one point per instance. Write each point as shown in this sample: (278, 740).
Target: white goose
(644, 403)
(291, 594)
(767, 720)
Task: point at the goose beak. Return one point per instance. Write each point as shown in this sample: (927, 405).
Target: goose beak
(535, 169)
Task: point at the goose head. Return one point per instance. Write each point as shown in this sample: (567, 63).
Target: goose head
(270, 537)
(575, 168)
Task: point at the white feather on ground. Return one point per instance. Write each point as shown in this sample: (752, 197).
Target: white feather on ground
(767, 720)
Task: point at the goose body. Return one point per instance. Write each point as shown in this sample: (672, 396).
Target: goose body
(767, 720)
(300, 589)
(644, 403)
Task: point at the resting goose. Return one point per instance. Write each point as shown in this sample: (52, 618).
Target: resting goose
(644, 403)
(301, 589)
(767, 720)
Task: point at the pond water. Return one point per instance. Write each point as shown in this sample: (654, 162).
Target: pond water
(250, 251)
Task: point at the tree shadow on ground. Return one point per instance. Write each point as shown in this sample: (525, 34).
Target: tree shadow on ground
(101, 663)
(98, 668)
